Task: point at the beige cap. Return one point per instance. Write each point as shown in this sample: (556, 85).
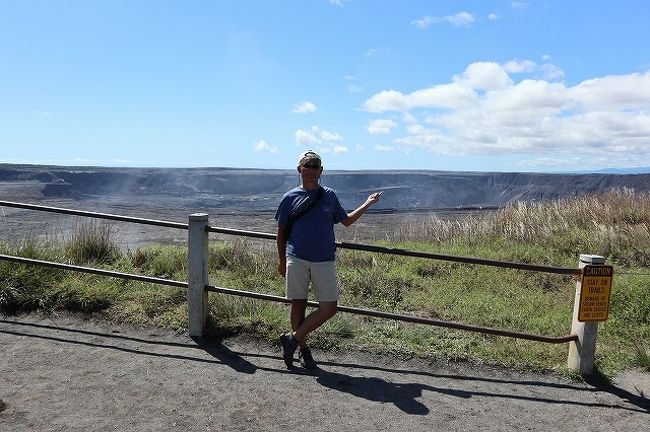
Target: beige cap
(309, 154)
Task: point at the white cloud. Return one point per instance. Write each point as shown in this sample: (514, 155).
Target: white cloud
(483, 110)
(354, 88)
(519, 66)
(461, 19)
(263, 146)
(614, 92)
(551, 72)
(441, 96)
(484, 76)
(304, 107)
(338, 149)
(409, 118)
(424, 22)
(316, 135)
(381, 127)
(370, 52)
(330, 136)
(518, 5)
(385, 148)
(376, 52)
(338, 2)
(549, 162)
(493, 17)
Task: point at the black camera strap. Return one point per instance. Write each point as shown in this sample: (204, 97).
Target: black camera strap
(300, 213)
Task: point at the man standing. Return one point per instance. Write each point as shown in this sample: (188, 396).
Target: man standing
(306, 249)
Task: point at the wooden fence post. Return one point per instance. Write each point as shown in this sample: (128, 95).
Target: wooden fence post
(197, 256)
(582, 352)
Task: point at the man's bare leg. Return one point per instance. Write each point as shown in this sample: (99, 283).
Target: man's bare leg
(315, 319)
(298, 308)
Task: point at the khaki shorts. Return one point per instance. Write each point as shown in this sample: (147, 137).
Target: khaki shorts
(321, 274)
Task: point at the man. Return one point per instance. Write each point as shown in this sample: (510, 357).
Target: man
(306, 249)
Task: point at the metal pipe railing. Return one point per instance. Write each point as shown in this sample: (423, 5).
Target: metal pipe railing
(270, 297)
(96, 215)
(93, 270)
(268, 236)
(417, 254)
(405, 318)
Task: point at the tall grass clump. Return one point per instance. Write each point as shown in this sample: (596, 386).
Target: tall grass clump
(643, 357)
(92, 243)
(250, 266)
(25, 287)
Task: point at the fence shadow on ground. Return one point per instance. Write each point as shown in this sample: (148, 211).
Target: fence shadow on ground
(402, 395)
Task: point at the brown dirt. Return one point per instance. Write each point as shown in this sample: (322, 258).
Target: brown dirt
(65, 373)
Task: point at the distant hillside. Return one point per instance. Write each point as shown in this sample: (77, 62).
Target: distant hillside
(261, 189)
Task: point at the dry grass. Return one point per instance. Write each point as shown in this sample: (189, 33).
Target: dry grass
(615, 224)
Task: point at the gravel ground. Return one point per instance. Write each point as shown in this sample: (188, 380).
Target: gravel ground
(65, 373)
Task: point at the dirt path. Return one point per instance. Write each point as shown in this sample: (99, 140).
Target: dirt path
(67, 374)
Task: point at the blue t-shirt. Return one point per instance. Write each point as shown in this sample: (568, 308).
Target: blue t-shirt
(312, 236)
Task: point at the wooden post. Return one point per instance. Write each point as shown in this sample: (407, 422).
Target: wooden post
(197, 256)
(582, 352)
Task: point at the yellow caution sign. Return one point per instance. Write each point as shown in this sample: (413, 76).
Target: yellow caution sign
(595, 292)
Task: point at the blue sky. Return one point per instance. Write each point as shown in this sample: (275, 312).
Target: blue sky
(370, 84)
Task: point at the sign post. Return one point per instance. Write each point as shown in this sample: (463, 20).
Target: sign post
(590, 306)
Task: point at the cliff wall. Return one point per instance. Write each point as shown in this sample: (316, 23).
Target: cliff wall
(261, 189)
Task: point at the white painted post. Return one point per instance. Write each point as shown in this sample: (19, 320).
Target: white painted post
(197, 256)
(583, 351)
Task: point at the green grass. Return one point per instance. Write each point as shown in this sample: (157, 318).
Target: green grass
(643, 357)
(615, 225)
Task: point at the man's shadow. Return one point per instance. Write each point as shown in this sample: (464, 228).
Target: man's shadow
(403, 396)
(225, 355)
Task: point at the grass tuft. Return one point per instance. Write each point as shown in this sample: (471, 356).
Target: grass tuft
(642, 358)
(92, 243)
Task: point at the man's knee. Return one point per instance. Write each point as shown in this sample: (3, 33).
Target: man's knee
(299, 303)
(328, 309)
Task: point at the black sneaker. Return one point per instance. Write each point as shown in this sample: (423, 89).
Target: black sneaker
(306, 359)
(289, 345)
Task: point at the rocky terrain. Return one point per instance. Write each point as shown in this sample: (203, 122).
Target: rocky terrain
(260, 190)
(246, 199)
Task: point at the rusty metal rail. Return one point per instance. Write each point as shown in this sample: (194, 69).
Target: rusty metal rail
(417, 254)
(270, 297)
(406, 318)
(342, 245)
(92, 270)
(95, 215)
